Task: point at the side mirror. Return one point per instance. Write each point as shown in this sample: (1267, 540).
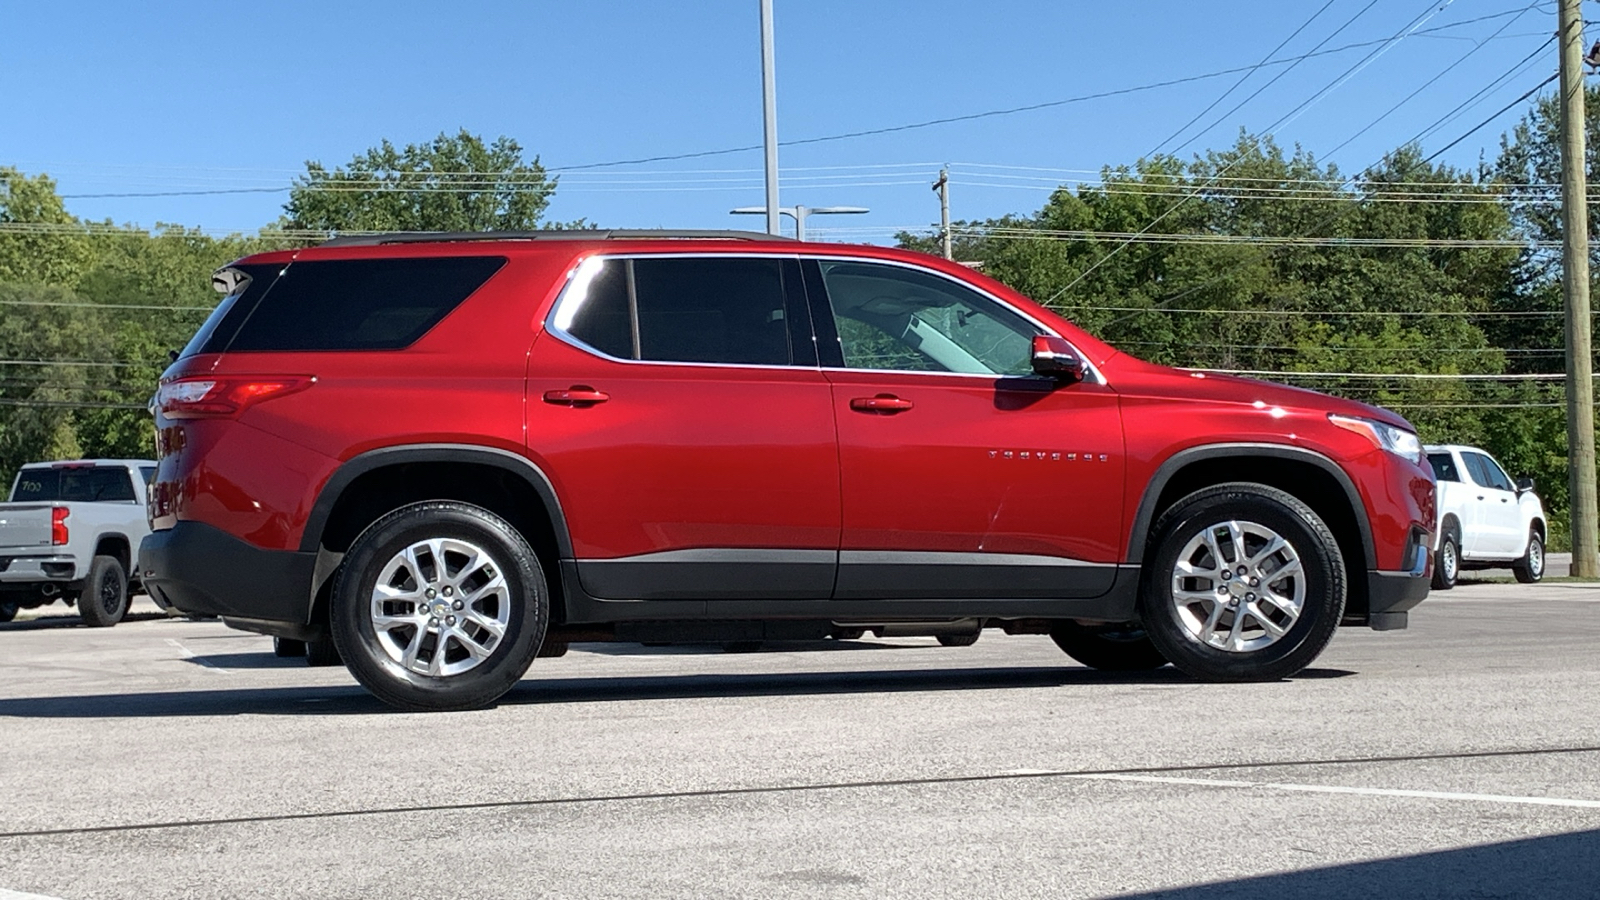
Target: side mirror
(1053, 357)
(1524, 485)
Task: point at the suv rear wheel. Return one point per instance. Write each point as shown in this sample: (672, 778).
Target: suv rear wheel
(1246, 583)
(440, 606)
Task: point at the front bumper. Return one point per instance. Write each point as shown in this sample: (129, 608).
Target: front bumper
(201, 570)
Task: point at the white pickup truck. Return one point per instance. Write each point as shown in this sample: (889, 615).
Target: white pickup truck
(1485, 521)
(68, 534)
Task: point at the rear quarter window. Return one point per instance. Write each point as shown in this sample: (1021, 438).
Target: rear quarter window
(351, 304)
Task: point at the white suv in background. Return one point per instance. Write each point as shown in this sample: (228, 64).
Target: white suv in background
(1485, 521)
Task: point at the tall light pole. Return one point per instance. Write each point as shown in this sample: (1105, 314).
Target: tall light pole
(1575, 287)
(797, 213)
(769, 115)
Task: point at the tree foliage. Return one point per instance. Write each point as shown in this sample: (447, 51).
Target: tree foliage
(454, 183)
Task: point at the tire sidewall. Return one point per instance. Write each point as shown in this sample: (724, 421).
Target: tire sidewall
(1320, 558)
(1524, 568)
(1447, 575)
(90, 606)
(357, 639)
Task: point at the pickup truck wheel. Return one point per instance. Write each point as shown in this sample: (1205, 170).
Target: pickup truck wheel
(8, 610)
(440, 606)
(1530, 568)
(958, 640)
(288, 648)
(105, 593)
(1447, 562)
(1246, 583)
(1109, 648)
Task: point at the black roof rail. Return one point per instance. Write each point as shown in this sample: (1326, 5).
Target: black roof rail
(604, 234)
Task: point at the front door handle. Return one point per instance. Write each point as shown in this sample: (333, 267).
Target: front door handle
(577, 395)
(883, 403)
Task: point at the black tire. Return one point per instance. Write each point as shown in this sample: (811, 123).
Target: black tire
(9, 610)
(288, 648)
(1109, 648)
(1321, 580)
(848, 634)
(320, 654)
(958, 640)
(526, 611)
(1447, 562)
(105, 593)
(1530, 568)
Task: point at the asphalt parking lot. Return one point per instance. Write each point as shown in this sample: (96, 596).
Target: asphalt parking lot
(1459, 758)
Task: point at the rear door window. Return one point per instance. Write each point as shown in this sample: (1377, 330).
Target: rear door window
(347, 304)
(1444, 467)
(69, 484)
(729, 310)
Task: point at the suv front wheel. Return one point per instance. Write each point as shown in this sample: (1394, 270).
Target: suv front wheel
(440, 606)
(1246, 583)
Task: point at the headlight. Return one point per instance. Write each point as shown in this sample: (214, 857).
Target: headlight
(1398, 441)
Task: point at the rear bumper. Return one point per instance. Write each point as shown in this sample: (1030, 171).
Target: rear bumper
(201, 570)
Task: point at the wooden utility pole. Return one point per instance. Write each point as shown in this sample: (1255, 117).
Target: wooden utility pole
(943, 187)
(1575, 288)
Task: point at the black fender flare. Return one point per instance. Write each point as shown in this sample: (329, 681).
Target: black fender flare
(476, 454)
(1140, 531)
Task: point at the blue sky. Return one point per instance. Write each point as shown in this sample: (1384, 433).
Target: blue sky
(185, 96)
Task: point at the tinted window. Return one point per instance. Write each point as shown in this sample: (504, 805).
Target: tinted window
(688, 309)
(232, 310)
(74, 484)
(351, 304)
(1444, 467)
(1494, 476)
(890, 317)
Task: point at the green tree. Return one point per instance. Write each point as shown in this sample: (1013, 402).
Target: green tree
(454, 183)
(40, 242)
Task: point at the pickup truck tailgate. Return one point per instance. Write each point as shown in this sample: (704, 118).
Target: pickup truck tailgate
(24, 526)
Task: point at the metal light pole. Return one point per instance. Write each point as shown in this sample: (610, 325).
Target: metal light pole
(769, 115)
(797, 213)
(1575, 286)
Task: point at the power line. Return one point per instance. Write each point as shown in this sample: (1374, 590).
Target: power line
(1246, 76)
(1287, 117)
(1531, 91)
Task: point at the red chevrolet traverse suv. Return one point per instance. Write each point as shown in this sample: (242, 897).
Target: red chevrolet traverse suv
(436, 457)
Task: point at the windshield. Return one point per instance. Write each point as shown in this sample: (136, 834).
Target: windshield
(81, 484)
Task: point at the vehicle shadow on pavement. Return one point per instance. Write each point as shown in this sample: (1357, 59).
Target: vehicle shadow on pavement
(70, 621)
(1562, 865)
(352, 700)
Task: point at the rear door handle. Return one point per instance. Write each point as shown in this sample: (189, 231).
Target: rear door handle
(883, 403)
(577, 395)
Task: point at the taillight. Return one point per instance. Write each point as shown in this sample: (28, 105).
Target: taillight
(58, 526)
(222, 396)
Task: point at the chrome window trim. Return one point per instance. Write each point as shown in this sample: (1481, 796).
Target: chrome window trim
(566, 337)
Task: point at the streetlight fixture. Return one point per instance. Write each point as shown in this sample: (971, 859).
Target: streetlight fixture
(799, 214)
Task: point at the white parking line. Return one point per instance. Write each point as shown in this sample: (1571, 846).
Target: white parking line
(1335, 789)
(189, 654)
(18, 895)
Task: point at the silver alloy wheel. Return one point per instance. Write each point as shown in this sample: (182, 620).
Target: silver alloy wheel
(1238, 586)
(441, 607)
(1536, 558)
(1448, 561)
